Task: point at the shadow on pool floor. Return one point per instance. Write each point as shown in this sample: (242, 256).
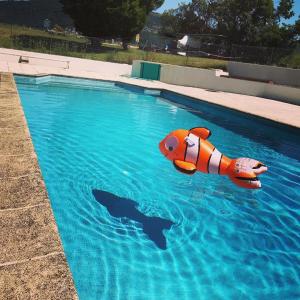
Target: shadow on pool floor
(125, 208)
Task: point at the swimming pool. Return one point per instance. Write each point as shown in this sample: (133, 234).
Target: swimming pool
(97, 145)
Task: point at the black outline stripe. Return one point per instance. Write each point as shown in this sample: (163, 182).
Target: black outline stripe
(189, 172)
(198, 156)
(258, 166)
(209, 160)
(220, 164)
(209, 134)
(185, 152)
(246, 179)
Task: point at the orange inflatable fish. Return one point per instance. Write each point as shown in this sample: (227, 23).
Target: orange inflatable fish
(191, 151)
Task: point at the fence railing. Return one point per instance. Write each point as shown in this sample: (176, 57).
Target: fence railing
(260, 55)
(111, 50)
(34, 60)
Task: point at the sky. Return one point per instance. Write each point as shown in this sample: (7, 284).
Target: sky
(174, 3)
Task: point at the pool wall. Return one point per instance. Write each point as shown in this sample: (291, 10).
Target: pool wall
(109, 260)
(279, 112)
(200, 107)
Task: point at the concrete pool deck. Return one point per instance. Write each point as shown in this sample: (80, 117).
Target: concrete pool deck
(44, 64)
(32, 261)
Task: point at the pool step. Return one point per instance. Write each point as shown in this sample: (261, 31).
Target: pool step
(71, 82)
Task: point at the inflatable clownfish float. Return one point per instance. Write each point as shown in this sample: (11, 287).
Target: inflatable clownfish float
(190, 151)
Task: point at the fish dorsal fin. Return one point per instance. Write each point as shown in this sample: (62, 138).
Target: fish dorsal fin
(185, 167)
(202, 132)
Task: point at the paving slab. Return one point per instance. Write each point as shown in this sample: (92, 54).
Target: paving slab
(6, 90)
(14, 145)
(277, 111)
(38, 279)
(11, 121)
(22, 192)
(19, 130)
(17, 166)
(16, 141)
(10, 113)
(32, 260)
(27, 232)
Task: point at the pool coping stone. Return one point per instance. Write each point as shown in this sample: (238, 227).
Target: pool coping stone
(283, 115)
(274, 110)
(33, 264)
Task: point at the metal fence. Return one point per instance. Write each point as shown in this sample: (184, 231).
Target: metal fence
(147, 48)
(260, 55)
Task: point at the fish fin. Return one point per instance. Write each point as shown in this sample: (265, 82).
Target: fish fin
(202, 132)
(185, 167)
(243, 172)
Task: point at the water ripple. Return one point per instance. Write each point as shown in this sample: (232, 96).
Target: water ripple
(226, 243)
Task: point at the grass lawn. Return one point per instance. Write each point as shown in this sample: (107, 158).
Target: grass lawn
(127, 56)
(45, 42)
(107, 52)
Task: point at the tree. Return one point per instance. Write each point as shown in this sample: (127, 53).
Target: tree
(285, 9)
(243, 21)
(297, 27)
(247, 22)
(194, 17)
(170, 23)
(110, 18)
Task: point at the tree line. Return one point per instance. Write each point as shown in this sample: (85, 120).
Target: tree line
(244, 22)
(110, 18)
(247, 22)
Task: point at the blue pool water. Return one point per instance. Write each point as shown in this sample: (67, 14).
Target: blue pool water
(112, 193)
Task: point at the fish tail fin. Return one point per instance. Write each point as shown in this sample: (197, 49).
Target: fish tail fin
(154, 229)
(243, 172)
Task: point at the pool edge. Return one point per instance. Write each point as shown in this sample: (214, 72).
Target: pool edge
(33, 261)
(144, 86)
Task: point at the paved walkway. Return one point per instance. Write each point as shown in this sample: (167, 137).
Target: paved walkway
(32, 260)
(40, 64)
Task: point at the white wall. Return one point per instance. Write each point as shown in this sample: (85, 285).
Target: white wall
(278, 75)
(283, 93)
(186, 76)
(208, 79)
(205, 79)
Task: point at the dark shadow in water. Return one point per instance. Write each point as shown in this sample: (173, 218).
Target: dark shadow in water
(125, 208)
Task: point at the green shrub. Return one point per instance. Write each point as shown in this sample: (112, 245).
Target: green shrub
(291, 61)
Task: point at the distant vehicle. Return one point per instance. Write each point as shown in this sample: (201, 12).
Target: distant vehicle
(189, 41)
(203, 45)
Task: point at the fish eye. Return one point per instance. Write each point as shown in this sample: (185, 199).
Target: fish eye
(171, 143)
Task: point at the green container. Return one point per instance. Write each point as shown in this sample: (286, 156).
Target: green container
(150, 71)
